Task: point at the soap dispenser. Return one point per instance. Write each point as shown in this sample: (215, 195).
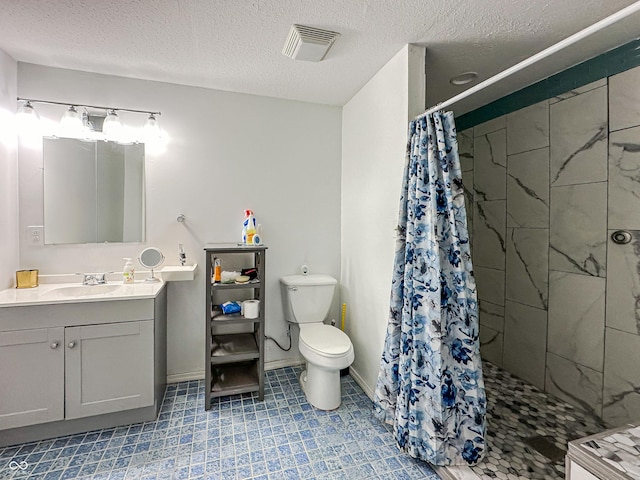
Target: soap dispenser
(128, 272)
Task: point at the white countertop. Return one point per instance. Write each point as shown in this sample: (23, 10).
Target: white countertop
(56, 293)
(65, 288)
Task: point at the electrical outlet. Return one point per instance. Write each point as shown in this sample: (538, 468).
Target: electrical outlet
(35, 235)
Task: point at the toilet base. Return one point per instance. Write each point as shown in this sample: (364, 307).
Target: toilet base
(321, 387)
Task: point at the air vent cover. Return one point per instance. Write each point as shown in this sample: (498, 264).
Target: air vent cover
(308, 43)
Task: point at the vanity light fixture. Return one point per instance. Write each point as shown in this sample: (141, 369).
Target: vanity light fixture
(74, 124)
(71, 122)
(112, 126)
(27, 118)
(27, 111)
(151, 127)
(28, 124)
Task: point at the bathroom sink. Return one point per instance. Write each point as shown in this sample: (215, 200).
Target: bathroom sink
(83, 290)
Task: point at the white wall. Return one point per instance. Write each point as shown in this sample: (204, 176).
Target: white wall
(8, 173)
(374, 136)
(227, 152)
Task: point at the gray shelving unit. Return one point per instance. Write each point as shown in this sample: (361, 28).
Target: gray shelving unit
(234, 351)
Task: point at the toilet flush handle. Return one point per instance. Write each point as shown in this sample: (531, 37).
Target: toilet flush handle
(293, 289)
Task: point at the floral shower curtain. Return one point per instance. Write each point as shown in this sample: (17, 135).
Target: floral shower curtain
(430, 385)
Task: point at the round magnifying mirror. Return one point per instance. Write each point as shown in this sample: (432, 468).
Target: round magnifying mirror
(151, 258)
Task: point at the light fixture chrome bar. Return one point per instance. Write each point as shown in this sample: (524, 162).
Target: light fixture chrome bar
(66, 104)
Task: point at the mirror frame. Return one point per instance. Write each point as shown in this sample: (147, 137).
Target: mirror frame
(145, 253)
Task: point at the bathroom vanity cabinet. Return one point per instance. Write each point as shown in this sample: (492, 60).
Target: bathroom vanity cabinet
(234, 349)
(74, 367)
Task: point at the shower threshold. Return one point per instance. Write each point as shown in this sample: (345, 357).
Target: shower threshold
(527, 433)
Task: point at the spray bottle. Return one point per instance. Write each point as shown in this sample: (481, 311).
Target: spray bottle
(248, 227)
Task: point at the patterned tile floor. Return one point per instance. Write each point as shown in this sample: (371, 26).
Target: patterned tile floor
(282, 437)
(517, 411)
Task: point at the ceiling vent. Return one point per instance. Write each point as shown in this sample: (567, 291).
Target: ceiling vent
(308, 43)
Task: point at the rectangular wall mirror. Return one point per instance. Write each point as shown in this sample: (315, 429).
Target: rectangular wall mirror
(93, 191)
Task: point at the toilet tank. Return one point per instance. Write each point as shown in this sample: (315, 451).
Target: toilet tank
(307, 298)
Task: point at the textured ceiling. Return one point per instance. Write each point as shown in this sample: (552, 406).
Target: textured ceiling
(235, 44)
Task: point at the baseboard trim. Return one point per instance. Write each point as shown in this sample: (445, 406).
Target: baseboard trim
(185, 377)
(360, 381)
(287, 362)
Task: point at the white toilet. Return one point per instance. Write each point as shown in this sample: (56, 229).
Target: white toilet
(327, 349)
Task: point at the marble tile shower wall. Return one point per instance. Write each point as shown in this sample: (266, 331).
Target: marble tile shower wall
(559, 301)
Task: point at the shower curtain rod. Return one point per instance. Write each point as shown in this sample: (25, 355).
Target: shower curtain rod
(605, 22)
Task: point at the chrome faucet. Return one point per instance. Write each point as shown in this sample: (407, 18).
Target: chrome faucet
(94, 278)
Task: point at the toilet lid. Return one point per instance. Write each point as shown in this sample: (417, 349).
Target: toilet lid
(325, 339)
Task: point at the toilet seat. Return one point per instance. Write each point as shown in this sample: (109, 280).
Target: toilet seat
(325, 340)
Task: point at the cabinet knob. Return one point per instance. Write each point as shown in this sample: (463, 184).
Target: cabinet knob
(54, 345)
(72, 344)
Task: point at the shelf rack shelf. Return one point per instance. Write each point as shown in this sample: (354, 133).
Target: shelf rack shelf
(232, 379)
(234, 349)
(234, 286)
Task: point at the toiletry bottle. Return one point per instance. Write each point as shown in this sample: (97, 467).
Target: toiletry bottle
(128, 272)
(250, 227)
(182, 256)
(258, 238)
(217, 270)
(245, 224)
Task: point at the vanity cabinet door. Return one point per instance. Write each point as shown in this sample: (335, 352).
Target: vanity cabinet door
(31, 377)
(108, 368)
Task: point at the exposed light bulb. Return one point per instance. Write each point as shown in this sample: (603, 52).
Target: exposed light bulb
(151, 128)
(152, 123)
(112, 126)
(28, 110)
(28, 120)
(71, 123)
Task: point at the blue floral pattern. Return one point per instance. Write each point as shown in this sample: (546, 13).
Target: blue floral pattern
(430, 386)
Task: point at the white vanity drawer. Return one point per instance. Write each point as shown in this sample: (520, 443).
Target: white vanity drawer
(72, 314)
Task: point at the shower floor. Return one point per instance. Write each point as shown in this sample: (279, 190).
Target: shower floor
(523, 422)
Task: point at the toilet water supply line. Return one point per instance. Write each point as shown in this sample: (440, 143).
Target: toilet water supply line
(276, 341)
(596, 27)
(343, 314)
